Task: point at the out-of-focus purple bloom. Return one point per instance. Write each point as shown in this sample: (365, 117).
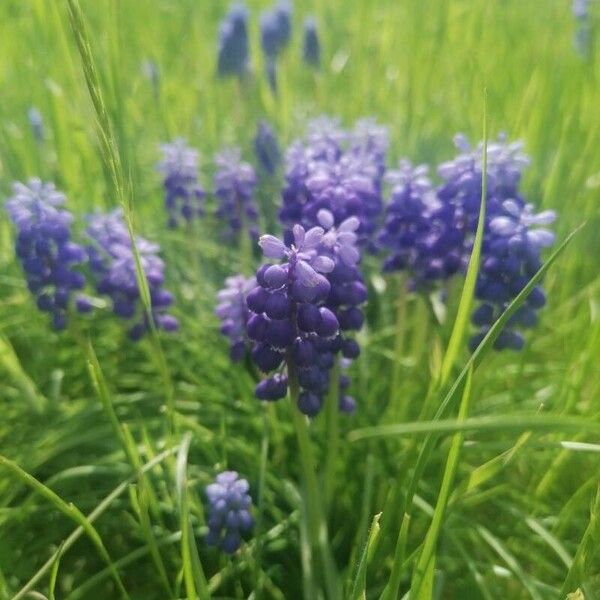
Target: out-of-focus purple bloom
(229, 516)
(334, 170)
(112, 262)
(581, 9)
(151, 71)
(184, 196)
(233, 51)
(311, 47)
(419, 233)
(275, 32)
(266, 148)
(234, 186)
(36, 122)
(44, 248)
(233, 312)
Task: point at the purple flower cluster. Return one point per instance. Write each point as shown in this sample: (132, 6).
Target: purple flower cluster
(184, 197)
(294, 310)
(420, 232)
(266, 148)
(336, 170)
(113, 264)
(510, 257)
(229, 516)
(233, 52)
(233, 312)
(234, 186)
(430, 231)
(275, 32)
(45, 250)
(311, 47)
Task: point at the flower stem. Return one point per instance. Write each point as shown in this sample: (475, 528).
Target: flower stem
(332, 414)
(399, 345)
(316, 526)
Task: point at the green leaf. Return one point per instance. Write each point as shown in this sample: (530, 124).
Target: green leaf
(360, 579)
(422, 582)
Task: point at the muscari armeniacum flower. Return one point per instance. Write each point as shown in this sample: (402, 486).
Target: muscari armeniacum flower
(335, 170)
(511, 255)
(36, 122)
(229, 516)
(233, 312)
(184, 196)
(113, 264)
(289, 320)
(304, 308)
(233, 52)
(311, 47)
(235, 186)
(45, 250)
(266, 148)
(275, 32)
(419, 233)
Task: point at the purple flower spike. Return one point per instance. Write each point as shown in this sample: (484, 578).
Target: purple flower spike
(233, 48)
(184, 197)
(234, 186)
(229, 511)
(112, 263)
(337, 171)
(43, 246)
(233, 312)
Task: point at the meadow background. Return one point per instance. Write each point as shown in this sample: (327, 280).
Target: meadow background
(524, 517)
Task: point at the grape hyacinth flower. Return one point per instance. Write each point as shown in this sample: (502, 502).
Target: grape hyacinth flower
(229, 516)
(510, 257)
(336, 171)
(289, 323)
(311, 47)
(275, 32)
(184, 196)
(233, 312)
(36, 122)
(419, 232)
(233, 53)
(112, 263)
(45, 250)
(234, 186)
(266, 148)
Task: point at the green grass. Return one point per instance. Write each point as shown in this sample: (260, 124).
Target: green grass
(498, 503)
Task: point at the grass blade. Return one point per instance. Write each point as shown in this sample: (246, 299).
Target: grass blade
(193, 575)
(71, 511)
(424, 568)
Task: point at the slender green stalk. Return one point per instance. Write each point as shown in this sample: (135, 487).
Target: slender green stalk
(333, 434)
(121, 187)
(316, 525)
(400, 335)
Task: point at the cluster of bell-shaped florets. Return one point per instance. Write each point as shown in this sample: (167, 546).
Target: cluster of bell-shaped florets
(184, 196)
(43, 246)
(336, 170)
(311, 46)
(347, 293)
(233, 312)
(304, 309)
(420, 233)
(234, 186)
(275, 33)
(233, 46)
(229, 511)
(266, 148)
(510, 257)
(289, 322)
(113, 264)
